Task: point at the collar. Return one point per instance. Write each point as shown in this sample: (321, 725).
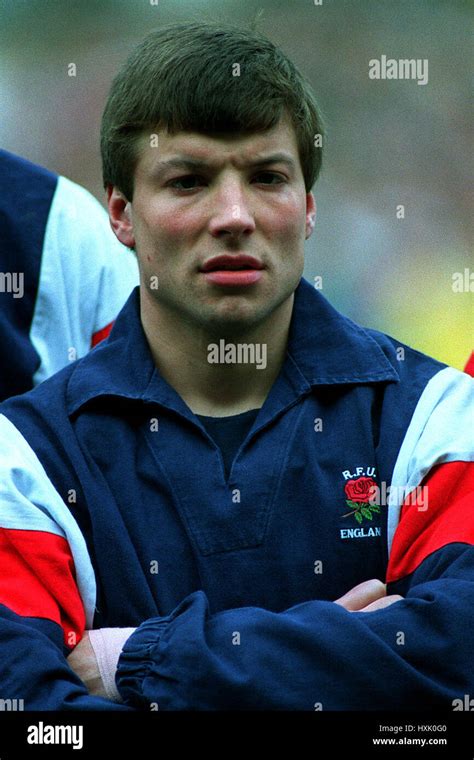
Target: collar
(331, 349)
(324, 348)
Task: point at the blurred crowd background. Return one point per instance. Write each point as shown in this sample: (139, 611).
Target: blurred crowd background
(388, 142)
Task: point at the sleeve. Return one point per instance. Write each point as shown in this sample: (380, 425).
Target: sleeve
(469, 368)
(416, 654)
(47, 585)
(85, 278)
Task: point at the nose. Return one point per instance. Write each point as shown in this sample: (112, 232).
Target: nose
(232, 215)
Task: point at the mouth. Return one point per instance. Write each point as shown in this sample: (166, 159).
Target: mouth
(232, 270)
(234, 263)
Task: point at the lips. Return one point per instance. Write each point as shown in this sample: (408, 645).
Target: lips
(233, 263)
(238, 270)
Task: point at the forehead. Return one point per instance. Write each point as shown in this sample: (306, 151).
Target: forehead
(237, 148)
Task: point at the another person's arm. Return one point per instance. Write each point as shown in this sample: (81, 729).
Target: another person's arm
(85, 278)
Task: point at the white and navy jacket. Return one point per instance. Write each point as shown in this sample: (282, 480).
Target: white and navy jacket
(63, 275)
(115, 512)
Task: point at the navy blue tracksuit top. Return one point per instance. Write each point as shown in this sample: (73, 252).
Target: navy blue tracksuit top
(115, 511)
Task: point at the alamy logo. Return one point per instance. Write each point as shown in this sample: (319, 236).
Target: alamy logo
(237, 353)
(12, 282)
(404, 68)
(12, 705)
(365, 497)
(46, 734)
(463, 704)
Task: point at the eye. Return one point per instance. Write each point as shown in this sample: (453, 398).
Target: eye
(188, 182)
(269, 178)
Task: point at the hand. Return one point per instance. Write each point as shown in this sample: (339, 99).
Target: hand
(83, 662)
(367, 597)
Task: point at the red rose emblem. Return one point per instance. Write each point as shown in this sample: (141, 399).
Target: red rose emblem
(360, 490)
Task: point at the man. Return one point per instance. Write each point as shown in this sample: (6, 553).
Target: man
(217, 503)
(63, 276)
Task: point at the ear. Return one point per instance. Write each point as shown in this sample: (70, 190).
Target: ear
(120, 215)
(310, 215)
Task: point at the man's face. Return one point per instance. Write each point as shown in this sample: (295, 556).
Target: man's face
(199, 197)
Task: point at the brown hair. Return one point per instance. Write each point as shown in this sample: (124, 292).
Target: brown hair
(182, 78)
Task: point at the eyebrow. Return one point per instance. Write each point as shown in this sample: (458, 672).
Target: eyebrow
(195, 164)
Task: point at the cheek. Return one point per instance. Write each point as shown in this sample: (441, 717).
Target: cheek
(173, 226)
(160, 225)
(289, 223)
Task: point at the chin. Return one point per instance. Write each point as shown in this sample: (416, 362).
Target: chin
(240, 318)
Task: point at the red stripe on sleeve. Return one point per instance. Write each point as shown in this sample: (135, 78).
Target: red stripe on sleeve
(443, 515)
(101, 334)
(469, 368)
(37, 579)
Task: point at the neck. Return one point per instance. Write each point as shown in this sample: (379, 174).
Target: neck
(217, 374)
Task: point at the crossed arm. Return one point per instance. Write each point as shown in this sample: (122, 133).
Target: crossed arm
(340, 654)
(368, 596)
